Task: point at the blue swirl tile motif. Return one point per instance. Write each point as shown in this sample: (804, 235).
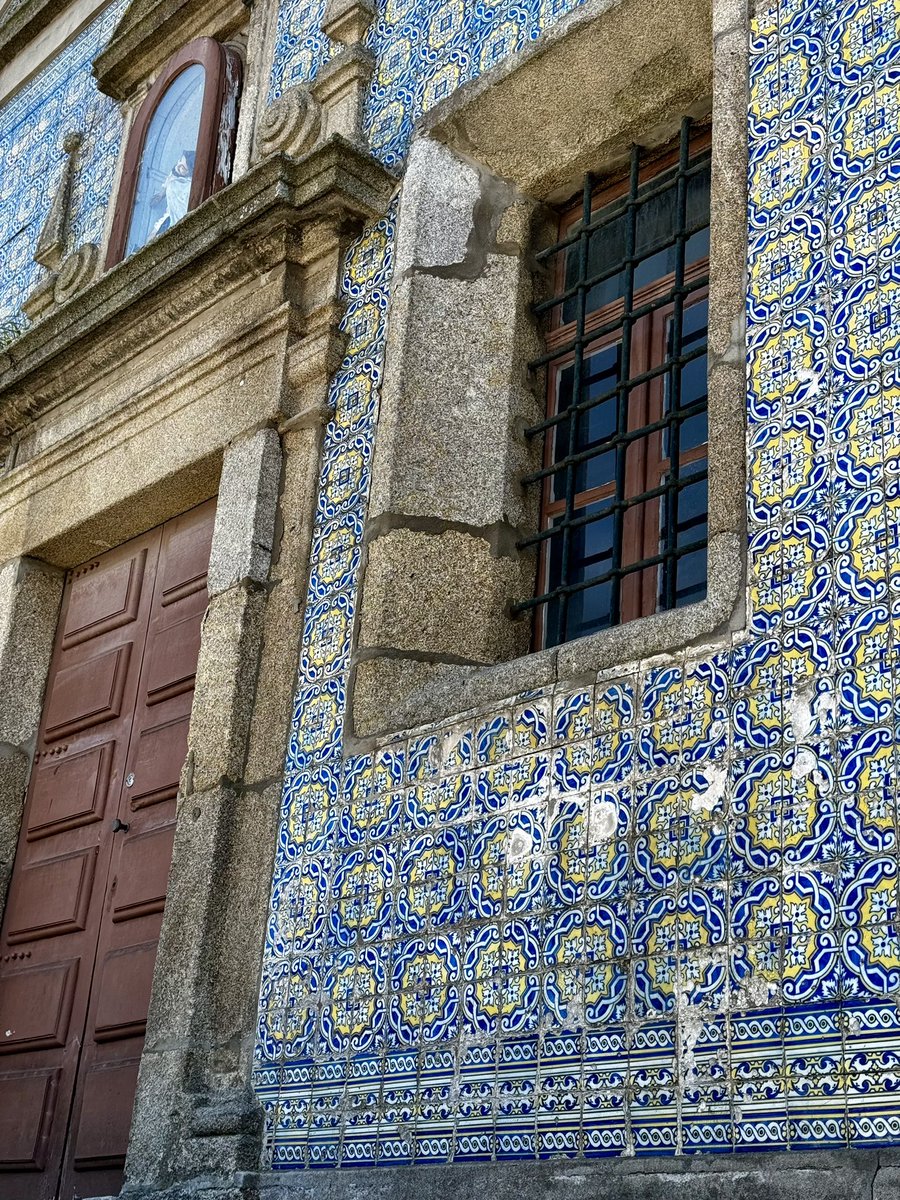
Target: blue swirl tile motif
(60, 98)
(493, 938)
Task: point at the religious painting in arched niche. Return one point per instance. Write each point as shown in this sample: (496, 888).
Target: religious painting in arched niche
(180, 147)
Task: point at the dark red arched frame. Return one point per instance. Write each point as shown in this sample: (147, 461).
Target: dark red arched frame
(215, 140)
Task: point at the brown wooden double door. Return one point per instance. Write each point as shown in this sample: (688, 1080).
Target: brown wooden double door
(79, 937)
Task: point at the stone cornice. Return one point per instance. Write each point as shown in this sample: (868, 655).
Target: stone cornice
(240, 232)
(18, 29)
(151, 31)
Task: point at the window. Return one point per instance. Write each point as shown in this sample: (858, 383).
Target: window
(624, 481)
(180, 148)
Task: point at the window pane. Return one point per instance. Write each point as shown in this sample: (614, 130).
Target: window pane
(691, 584)
(593, 426)
(590, 556)
(167, 163)
(643, 457)
(655, 247)
(692, 376)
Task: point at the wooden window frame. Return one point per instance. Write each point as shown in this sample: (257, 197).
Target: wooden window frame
(223, 72)
(644, 470)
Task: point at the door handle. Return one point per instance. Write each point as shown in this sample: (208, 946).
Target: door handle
(120, 826)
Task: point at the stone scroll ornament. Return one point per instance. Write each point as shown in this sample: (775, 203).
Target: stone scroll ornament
(76, 272)
(291, 124)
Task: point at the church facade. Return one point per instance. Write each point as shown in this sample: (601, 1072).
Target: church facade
(450, 542)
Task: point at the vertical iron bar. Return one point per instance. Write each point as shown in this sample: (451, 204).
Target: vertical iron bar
(670, 570)
(624, 396)
(577, 374)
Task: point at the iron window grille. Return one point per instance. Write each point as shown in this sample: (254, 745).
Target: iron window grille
(624, 478)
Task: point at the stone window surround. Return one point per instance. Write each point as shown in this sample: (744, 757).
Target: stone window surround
(222, 71)
(435, 636)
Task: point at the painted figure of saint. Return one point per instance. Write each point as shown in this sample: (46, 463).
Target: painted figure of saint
(176, 192)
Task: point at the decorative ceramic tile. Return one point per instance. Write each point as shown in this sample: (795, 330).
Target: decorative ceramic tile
(704, 854)
(62, 97)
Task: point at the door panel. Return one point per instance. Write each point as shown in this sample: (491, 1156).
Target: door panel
(125, 983)
(26, 1116)
(35, 1005)
(143, 871)
(88, 693)
(70, 791)
(50, 898)
(103, 1123)
(140, 858)
(159, 746)
(88, 889)
(104, 599)
(173, 657)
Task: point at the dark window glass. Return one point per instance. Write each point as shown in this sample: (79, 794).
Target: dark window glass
(624, 527)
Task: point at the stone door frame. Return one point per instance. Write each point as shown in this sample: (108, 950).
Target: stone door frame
(191, 1100)
(199, 367)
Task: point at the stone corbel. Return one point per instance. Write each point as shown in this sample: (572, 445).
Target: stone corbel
(317, 354)
(76, 272)
(291, 124)
(39, 300)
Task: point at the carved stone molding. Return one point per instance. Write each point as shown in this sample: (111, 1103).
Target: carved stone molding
(75, 272)
(40, 299)
(151, 31)
(24, 23)
(284, 220)
(333, 104)
(342, 86)
(291, 124)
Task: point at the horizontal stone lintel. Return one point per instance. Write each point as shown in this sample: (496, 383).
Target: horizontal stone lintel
(334, 181)
(18, 28)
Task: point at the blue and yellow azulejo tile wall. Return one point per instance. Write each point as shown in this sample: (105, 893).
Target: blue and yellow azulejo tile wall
(61, 98)
(660, 912)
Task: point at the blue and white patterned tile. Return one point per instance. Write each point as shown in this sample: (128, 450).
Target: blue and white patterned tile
(61, 98)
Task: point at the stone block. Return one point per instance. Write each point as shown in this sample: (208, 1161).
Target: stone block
(887, 1184)
(727, 459)
(226, 685)
(440, 193)
(14, 768)
(245, 511)
(385, 691)
(603, 75)
(840, 1175)
(456, 397)
(283, 617)
(30, 593)
(442, 596)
